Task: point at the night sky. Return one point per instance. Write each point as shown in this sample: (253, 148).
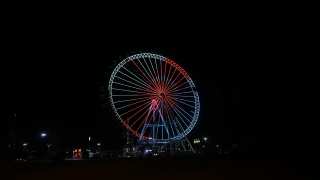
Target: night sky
(251, 63)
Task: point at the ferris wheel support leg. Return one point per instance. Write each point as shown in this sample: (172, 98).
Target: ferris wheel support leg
(164, 123)
(183, 145)
(186, 138)
(144, 126)
(136, 150)
(171, 149)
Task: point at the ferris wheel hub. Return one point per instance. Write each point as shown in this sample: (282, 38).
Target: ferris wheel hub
(161, 95)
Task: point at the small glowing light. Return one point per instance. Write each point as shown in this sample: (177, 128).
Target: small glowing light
(217, 145)
(196, 141)
(98, 144)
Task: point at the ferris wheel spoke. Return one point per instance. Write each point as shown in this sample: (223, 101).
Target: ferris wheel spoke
(157, 72)
(171, 77)
(185, 113)
(138, 102)
(169, 119)
(129, 95)
(178, 114)
(164, 83)
(158, 87)
(137, 85)
(176, 84)
(177, 88)
(133, 87)
(128, 100)
(180, 89)
(146, 108)
(124, 90)
(141, 89)
(145, 69)
(181, 119)
(185, 100)
(137, 120)
(167, 77)
(181, 96)
(135, 108)
(155, 85)
(157, 76)
(175, 99)
(161, 76)
(185, 103)
(178, 107)
(149, 71)
(136, 79)
(164, 74)
(143, 83)
(149, 85)
(153, 71)
(167, 73)
(184, 92)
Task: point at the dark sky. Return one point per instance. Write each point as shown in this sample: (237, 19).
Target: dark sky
(251, 64)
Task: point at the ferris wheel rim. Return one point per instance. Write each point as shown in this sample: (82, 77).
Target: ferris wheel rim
(157, 57)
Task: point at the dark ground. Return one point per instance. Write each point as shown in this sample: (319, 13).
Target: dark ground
(176, 167)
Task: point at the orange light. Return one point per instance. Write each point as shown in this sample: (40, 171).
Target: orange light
(79, 150)
(75, 150)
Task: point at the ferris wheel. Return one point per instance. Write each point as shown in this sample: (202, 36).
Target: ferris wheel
(153, 98)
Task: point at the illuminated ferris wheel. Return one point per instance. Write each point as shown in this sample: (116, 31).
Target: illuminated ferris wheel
(153, 98)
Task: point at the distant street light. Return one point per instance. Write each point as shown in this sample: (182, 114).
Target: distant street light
(24, 146)
(42, 135)
(205, 141)
(98, 147)
(49, 147)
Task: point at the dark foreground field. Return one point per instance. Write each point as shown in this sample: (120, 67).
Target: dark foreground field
(179, 167)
